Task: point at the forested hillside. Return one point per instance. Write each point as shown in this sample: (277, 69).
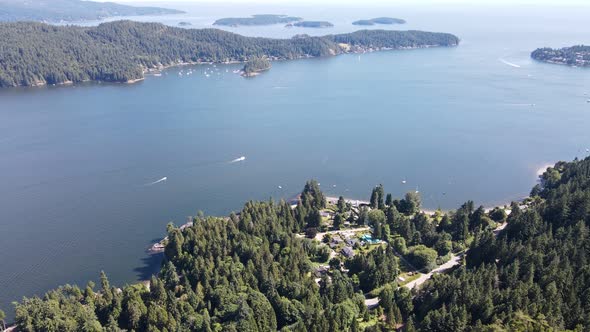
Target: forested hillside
(253, 271)
(535, 276)
(36, 54)
(571, 56)
(264, 19)
(71, 10)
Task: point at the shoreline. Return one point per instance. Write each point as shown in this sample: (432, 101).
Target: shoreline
(561, 63)
(344, 50)
(357, 202)
(543, 169)
(135, 80)
(159, 247)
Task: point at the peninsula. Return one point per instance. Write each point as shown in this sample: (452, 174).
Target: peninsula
(35, 54)
(380, 20)
(265, 19)
(578, 56)
(312, 24)
(255, 66)
(71, 10)
(324, 264)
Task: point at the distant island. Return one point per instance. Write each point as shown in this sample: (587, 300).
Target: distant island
(184, 24)
(71, 10)
(36, 54)
(255, 66)
(380, 20)
(578, 56)
(265, 19)
(312, 24)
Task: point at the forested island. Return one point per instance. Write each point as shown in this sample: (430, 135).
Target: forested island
(312, 24)
(578, 56)
(316, 263)
(255, 66)
(35, 54)
(380, 20)
(71, 10)
(266, 19)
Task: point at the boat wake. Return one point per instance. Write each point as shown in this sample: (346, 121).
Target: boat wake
(520, 104)
(156, 182)
(509, 63)
(237, 160)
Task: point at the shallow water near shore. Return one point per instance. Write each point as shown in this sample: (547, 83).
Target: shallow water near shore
(83, 166)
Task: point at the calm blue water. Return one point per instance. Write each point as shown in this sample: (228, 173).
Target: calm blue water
(456, 123)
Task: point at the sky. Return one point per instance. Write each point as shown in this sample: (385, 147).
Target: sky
(375, 2)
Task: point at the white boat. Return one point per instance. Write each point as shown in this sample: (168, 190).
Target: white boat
(242, 158)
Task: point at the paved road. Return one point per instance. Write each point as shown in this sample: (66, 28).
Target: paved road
(348, 232)
(372, 303)
(454, 261)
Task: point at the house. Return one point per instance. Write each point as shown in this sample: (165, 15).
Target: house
(326, 214)
(347, 252)
(320, 270)
(351, 242)
(336, 239)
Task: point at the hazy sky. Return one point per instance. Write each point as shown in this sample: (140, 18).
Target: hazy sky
(378, 2)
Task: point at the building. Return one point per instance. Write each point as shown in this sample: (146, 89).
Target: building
(347, 252)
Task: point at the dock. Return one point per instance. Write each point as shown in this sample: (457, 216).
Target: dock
(160, 246)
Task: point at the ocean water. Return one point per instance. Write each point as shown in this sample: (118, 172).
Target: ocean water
(82, 168)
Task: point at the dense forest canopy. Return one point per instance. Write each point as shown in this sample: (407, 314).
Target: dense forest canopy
(255, 271)
(572, 56)
(71, 10)
(37, 53)
(256, 65)
(535, 276)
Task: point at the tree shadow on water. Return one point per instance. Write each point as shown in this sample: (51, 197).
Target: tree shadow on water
(150, 266)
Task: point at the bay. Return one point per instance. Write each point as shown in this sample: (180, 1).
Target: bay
(78, 163)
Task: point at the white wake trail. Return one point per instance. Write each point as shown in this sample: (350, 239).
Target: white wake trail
(509, 63)
(237, 160)
(156, 182)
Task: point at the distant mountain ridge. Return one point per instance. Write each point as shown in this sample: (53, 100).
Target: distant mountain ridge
(71, 10)
(260, 19)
